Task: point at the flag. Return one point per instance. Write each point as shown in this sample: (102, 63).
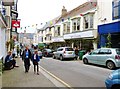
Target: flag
(32, 25)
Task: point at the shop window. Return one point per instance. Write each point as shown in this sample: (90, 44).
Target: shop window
(116, 9)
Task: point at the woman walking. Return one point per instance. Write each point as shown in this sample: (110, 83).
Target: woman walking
(35, 60)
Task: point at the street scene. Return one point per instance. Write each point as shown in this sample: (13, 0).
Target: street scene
(60, 44)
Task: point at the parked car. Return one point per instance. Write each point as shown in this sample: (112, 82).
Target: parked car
(40, 54)
(109, 57)
(113, 80)
(47, 52)
(64, 52)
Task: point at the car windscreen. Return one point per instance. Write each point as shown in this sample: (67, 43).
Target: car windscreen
(118, 51)
(49, 50)
(68, 49)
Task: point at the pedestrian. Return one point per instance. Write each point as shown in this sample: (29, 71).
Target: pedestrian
(18, 50)
(13, 52)
(10, 62)
(76, 53)
(35, 60)
(26, 56)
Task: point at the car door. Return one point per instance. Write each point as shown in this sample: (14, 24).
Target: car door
(58, 52)
(92, 57)
(103, 55)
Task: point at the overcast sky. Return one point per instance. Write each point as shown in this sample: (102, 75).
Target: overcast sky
(33, 12)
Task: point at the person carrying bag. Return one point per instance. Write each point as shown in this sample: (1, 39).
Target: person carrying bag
(35, 60)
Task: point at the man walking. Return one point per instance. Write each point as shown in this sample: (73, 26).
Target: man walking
(26, 56)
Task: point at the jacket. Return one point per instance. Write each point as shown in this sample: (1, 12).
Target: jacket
(37, 58)
(24, 54)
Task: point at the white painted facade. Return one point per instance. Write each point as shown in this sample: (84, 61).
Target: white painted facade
(104, 10)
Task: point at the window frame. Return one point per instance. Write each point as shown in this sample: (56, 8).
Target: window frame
(77, 22)
(115, 6)
(88, 16)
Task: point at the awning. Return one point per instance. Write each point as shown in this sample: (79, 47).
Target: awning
(41, 44)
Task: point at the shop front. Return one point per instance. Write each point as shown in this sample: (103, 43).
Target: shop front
(57, 42)
(112, 29)
(82, 40)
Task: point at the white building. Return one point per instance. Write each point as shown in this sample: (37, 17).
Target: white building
(109, 22)
(78, 27)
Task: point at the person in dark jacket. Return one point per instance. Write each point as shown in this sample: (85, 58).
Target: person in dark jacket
(35, 60)
(26, 56)
(76, 53)
(9, 61)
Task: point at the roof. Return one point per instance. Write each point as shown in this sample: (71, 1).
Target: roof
(78, 10)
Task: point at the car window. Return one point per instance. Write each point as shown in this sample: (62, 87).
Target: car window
(118, 51)
(105, 51)
(94, 52)
(49, 50)
(60, 49)
(68, 49)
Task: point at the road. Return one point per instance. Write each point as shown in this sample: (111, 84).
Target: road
(75, 73)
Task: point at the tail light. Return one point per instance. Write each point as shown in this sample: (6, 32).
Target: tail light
(64, 52)
(46, 53)
(117, 57)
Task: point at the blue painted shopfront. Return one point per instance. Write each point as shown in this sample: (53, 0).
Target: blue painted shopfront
(114, 30)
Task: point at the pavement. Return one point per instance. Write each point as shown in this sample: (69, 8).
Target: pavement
(18, 78)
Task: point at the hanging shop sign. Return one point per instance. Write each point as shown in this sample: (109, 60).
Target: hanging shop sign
(15, 24)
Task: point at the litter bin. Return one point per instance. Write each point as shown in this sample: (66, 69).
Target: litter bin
(81, 53)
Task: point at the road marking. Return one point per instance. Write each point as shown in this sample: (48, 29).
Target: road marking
(67, 85)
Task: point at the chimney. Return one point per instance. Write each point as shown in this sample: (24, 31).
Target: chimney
(64, 11)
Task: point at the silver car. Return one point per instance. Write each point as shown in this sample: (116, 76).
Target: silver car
(64, 52)
(109, 57)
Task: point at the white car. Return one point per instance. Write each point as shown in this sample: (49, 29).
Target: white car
(63, 53)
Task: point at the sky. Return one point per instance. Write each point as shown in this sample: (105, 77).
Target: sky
(32, 12)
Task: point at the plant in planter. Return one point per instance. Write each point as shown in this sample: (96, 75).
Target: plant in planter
(108, 44)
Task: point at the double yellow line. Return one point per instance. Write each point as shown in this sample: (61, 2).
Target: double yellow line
(58, 79)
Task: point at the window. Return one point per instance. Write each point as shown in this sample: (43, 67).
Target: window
(42, 39)
(58, 31)
(116, 9)
(94, 52)
(49, 29)
(88, 21)
(68, 49)
(60, 49)
(105, 51)
(66, 27)
(76, 24)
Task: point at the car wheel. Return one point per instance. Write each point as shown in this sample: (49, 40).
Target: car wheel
(61, 57)
(110, 65)
(115, 86)
(54, 57)
(85, 61)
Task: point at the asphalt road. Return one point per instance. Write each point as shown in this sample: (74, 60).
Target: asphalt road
(75, 73)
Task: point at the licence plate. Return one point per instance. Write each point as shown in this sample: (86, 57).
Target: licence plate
(70, 53)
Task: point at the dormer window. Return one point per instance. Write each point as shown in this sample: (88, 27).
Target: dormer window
(76, 24)
(88, 21)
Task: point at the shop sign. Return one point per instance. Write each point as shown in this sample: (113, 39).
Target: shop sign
(15, 24)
